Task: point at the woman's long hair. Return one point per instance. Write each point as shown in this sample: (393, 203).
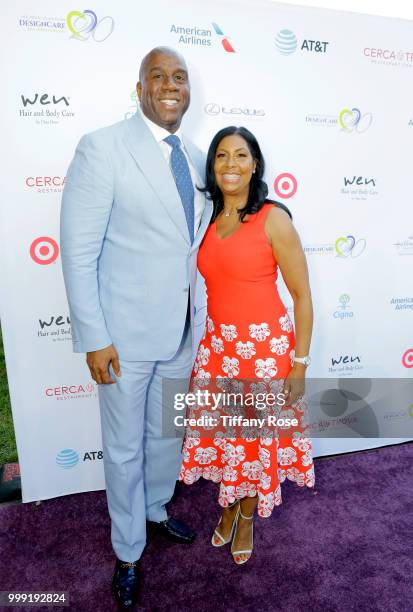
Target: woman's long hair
(258, 189)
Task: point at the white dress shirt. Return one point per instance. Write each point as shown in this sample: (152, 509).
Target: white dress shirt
(159, 133)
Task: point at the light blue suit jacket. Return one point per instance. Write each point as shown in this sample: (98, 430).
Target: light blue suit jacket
(127, 259)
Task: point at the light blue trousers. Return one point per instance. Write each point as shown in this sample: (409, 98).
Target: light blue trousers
(141, 463)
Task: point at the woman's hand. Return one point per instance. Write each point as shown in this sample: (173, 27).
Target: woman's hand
(294, 384)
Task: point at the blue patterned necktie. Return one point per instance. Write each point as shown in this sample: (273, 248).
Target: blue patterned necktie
(183, 180)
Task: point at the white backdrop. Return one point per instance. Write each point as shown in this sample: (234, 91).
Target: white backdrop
(328, 94)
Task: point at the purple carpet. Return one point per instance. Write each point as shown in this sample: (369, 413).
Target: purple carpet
(347, 545)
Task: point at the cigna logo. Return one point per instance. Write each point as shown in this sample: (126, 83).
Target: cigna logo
(45, 184)
(343, 309)
(44, 250)
(286, 43)
(285, 185)
(352, 120)
(86, 25)
(407, 358)
(70, 391)
(348, 246)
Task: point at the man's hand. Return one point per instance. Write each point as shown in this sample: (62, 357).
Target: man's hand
(98, 362)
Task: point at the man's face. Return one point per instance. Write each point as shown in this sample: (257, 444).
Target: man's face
(163, 90)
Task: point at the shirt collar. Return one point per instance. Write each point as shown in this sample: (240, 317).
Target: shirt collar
(158, 132)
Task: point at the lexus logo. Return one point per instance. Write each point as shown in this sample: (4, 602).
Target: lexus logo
(212, 109)
(215, 109)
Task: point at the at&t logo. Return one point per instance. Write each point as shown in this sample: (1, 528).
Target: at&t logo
(351, 120)
(287, 43)
(285, 185)
(348, 246)
(67, 458)
(86, 25)
(44, 250)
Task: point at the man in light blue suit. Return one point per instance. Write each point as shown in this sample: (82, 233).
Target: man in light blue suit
(131, 224)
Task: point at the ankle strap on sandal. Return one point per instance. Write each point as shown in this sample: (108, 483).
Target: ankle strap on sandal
(247, 518)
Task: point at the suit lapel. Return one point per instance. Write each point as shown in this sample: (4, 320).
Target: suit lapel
(147, 154)
(205, 219)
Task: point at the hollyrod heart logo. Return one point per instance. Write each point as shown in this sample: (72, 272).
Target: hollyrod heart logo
(351, 120)
(347, 246)
(84, 25)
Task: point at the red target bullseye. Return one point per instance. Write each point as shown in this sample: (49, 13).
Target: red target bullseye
(407, 359)
(44, 250)
(285, 185)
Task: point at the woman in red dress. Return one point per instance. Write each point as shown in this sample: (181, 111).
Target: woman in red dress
(249, 346)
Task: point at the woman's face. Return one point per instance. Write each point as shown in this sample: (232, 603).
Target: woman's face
(233, 166)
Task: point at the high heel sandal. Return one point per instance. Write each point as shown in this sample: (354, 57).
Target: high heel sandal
(236, 553)
(216, 533)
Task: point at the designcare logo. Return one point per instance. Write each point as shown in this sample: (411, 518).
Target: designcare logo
(36, 23)
(69, 458)
(348, 246)
(213, 110)
(85, 25)
(352, 120)
(197, 36)
(66, 392)
(285, 185)
(287, 43)
(389, 57)
(45, 184)
(44, 250)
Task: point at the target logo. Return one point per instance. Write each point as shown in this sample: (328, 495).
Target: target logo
(44, 250)
(285, 185)
(407, 359)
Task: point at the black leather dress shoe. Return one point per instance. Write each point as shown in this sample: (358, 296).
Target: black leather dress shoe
(125, 584)
(174, 530)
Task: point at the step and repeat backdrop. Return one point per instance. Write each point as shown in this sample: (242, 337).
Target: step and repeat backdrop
(328, 95)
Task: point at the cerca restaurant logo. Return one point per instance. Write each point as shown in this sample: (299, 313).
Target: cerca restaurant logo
(213, 110)
(287, 43)
(352, 120)
(45, 108)
(349, 246)
(200, 36)
(389, 57)
(71, 392)
(45, 184)
(44, 250)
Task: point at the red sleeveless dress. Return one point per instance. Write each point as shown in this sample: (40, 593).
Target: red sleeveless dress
(248, 348)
